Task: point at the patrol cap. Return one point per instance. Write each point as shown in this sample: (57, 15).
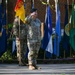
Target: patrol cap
(33, 10)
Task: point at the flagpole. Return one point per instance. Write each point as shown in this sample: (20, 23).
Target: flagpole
(69, 23)
(69, 29)
(19, 41)
(56, 1)
(46, 11)
(56, 37)
(73, 21)
(6, 20)
(6, 17)
(0, 11)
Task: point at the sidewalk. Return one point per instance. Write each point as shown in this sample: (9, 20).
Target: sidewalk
(47, 69)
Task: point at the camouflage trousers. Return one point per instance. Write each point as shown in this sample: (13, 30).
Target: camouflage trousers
(33, 52)
(21, 49)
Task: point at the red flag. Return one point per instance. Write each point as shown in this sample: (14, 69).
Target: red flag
(19, 9)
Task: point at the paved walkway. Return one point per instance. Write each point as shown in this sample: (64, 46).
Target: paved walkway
(47, 69)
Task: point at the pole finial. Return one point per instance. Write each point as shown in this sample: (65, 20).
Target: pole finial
(56, 1)
(24, 0)
(47, 1)
(6, 1)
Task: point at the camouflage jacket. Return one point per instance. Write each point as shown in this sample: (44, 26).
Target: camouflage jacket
(34, 29)
(19, 30)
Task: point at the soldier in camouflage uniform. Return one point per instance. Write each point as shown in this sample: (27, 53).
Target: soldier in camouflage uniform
(33, 38)
(19, 30)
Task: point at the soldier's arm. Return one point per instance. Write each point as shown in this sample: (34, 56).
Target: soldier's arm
(42, 30)
(28, 19)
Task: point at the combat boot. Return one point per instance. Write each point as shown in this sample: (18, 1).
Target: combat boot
(31, 67)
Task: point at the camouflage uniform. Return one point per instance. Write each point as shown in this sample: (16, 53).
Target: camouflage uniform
(33, 39)
(22, 43)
